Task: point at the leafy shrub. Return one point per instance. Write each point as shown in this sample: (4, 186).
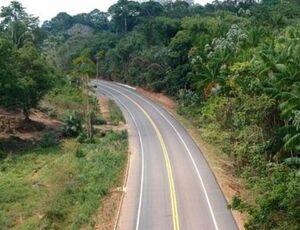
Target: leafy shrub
(98, 120)
(82, 137)
(79, 153)
(56, 212)
(2, 154)
(116, 115)
(48, 140)
(277, 200)
(187, 97)
(73, 126)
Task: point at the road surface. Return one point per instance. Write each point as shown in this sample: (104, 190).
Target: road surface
(170, 185)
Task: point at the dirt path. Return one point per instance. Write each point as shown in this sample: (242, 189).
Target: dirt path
(104, 106)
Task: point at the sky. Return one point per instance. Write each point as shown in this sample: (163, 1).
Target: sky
(47, 9)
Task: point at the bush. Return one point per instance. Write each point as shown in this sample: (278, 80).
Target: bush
(3, 155)
(98, 120)
(48, 140)
(116, 115)
(73, 126)
(79, 153)
(187, 98)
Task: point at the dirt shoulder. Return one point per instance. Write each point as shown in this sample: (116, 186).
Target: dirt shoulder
(104, 106)
(108, 214)
(222, 168)
(13, 127)
(159, 97)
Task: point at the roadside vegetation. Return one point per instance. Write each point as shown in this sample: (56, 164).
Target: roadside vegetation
(232, 66)
(60, 186)
(58, 178)
(58, 159)
(116, 115)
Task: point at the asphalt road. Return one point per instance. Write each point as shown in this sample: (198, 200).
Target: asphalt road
(170, 184)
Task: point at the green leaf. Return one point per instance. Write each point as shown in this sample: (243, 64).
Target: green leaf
(281, 68)
(293, 142)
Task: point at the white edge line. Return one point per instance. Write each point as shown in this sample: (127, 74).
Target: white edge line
(126, 86)
(189, 152)
(143, 163)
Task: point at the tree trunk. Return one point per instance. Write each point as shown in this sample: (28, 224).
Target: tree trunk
(26, 115)
(125, 25)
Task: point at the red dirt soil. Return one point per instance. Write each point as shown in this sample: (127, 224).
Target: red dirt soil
(13, 124)
(159, 97)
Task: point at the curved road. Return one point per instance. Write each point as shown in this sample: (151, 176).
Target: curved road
(170, 185)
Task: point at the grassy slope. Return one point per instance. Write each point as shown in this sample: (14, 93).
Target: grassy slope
(61, 186)
(116, 115)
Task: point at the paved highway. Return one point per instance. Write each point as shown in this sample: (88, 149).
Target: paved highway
(170, 185)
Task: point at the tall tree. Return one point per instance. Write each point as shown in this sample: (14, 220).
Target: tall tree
(59, 23)
(8, 74)
(17, 24)
(124, 15)
(85, 67)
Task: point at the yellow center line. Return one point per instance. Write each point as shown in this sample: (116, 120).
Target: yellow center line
(168, 166)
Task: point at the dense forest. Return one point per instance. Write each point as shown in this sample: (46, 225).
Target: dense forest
(233, 67)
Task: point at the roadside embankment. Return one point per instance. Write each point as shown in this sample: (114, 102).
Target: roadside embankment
(53, 176)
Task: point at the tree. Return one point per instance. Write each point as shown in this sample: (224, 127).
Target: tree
(60, 23)
(85, 67)
(96, 19)
(124, 15)
(177, 9)
(290, 108)
(151, 9)
(17, 24)
(8, 73)
(34, 79)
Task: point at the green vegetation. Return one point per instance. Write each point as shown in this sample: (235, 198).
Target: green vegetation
(116, 115)
(25, 75)
(57, 177)
(232, 66)
(60, 187)
(61, 100)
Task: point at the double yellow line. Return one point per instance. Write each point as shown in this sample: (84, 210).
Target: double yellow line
(168, 166)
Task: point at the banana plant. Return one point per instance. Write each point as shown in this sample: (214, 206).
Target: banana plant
(290, 111)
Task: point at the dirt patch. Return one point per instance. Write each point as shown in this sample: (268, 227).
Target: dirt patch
(116, 128)
(15, 133)
(104, 106)
(159, 97)
(106, 218)
(223, 170)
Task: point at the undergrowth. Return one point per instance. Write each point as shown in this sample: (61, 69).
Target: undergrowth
(60, 187)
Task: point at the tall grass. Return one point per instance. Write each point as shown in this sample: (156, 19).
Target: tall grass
(116, 115)
(60, 187)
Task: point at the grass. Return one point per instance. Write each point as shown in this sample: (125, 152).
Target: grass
(116, 115)
(65, 99)
(60, 187)
(50, 184)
